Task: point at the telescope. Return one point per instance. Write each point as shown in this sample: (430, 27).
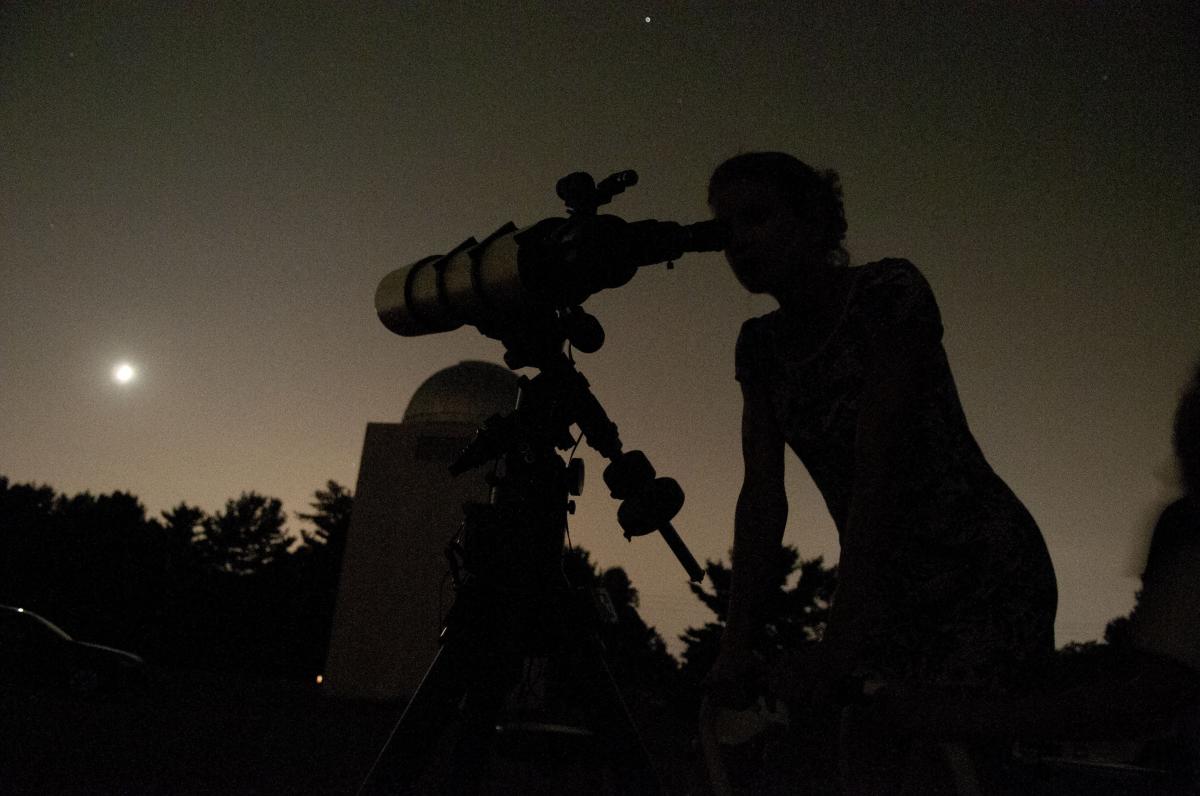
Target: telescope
(516, 278)
(524, 288)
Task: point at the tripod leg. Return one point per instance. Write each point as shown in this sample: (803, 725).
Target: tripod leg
(403, 757)
(632, 767)
(474, 669)
(473, 749)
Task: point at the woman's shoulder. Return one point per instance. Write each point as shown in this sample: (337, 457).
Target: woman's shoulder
(760, 325)
(892, 298)
(895, 283)
(890, 274)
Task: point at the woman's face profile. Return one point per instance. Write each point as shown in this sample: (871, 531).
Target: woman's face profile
(770, 245)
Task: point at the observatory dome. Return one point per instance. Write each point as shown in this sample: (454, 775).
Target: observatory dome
(469, 392)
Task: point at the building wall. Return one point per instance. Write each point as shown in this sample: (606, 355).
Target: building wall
(395, 589)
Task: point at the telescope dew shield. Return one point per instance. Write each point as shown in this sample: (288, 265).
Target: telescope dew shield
(401, 294)
(477, 283)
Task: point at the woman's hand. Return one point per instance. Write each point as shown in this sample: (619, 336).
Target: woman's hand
(734, 679)
(813, 678)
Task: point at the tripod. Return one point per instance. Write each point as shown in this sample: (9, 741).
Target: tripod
(512, 600)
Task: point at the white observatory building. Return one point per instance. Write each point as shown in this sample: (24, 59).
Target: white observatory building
(394, 589)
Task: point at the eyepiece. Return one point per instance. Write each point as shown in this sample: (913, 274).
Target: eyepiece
(706, 236)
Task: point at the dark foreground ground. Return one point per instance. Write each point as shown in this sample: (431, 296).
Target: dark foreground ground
(187, 734)
(195, 733)
(198, 733)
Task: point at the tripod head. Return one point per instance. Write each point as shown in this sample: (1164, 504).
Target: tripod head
(549, 405)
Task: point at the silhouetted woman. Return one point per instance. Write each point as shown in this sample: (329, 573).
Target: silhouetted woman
(943, 575)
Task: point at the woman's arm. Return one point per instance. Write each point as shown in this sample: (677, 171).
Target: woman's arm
(758, 521)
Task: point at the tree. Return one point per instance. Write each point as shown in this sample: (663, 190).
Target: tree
(94, 564)
(182, 627)
(112, 567)
(26, 515)
(637, 654)
(183, 525)
(220, 592)
(331, 515)
(22, 505)
(248, 535)
(319, 563)
(793, 617)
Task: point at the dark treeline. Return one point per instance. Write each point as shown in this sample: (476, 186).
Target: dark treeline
(231, 591)
(236, 591)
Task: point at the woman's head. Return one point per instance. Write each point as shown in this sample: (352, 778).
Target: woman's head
(782, 215)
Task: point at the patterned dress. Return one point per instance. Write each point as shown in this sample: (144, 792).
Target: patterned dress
(963, 590)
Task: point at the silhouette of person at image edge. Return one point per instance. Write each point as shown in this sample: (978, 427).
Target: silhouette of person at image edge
(1163, 668)
(1144, 687)
(943, 575)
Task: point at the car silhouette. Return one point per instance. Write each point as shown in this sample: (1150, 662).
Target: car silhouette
(36, 652)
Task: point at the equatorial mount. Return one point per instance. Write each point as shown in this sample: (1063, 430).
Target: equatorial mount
(550, 403)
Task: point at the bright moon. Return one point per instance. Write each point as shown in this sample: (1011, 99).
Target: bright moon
(123, 373)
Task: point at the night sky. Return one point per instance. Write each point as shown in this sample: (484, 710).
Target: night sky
(212, 192)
